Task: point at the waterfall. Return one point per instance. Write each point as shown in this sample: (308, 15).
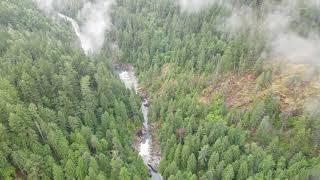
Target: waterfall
(84, 41)
(131, 82)
(145, 147)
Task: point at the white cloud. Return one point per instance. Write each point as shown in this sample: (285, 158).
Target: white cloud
(296, 48)
(195, 5)
(49, 5)
(96, 22)
(94, 16)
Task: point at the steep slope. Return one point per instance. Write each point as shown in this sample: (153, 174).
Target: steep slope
(63, 115)
(211, 127)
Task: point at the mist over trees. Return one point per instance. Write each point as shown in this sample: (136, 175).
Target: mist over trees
(63, 115)
(66, 115)
(176, 51)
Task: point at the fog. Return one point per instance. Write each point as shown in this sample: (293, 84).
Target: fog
(195, 5)
(275, 21)
(96, 21)
(49, 6)
(94, 17)
(289, 44)
(286, 42)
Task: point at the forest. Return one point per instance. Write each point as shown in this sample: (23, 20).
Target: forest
(63, 115)
(178, 55)
(233, 89)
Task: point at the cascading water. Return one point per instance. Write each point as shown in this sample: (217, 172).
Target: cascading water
(83, 39)
(145, 150)
(129, 79)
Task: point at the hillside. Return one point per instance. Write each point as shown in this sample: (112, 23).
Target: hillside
(228, 89)
(229, 98)
(59, 109)
(293, 85)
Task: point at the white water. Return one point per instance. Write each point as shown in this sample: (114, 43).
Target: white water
(145, 150)
(83, 39)
(145, 146)
(130, 81)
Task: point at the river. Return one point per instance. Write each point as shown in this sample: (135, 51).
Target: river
(127, 76)
(151, 160)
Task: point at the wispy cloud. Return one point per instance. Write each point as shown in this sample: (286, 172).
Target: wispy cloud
(49, 5)
(96, 21)
(195, 5)
(276, 20)
(94, 17)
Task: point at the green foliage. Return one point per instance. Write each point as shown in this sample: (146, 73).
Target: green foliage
(217, 109)
(60, 111)
(178, 56)
(153, 33)
(264, 79)
(64, 115)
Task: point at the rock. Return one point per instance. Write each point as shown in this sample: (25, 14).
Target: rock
(152, 168)
(140, 133)
(146, 103)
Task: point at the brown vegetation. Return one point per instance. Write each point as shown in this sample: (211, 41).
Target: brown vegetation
(292, 84)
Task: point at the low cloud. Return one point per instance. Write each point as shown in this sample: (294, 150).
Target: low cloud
(96, 21)
(195, 5)
(49, 5)
(285, 41)
(241, 17)
(94, 17)
(275, 20)
(296, 48)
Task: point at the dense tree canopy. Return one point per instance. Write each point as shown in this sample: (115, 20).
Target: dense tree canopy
(63, 115)
(176, 53)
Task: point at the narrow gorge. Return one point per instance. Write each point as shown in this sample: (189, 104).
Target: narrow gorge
(127, 76)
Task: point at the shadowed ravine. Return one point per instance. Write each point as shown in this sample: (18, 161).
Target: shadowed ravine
(129, 79)
(145, 149)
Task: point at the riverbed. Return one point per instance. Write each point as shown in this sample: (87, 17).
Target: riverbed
(150, 158)
(126, 73)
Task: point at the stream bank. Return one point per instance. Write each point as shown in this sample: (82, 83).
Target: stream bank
(144, 142)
